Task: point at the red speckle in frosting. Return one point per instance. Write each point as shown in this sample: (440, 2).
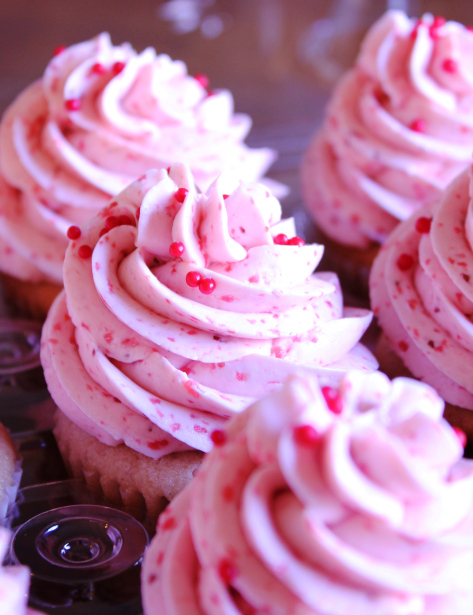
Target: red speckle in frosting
(202, 79)
(176, 249)
(152, 578)
(207, 286)
(461, 435)
(227, 571)
(59, 50)
(296, 241)
(168, 524)
(97, 69)
(415, 29)
(84, 251)
(418, 125)
(111, 222)
(200, 429)
(227, 298)
(137, 213)
(118, 67)
(466, 277)
(281, 239)
(405, 262)
(278, 352)
(189, 385)
(242, 377)
(193, 279)
(155, 400)
(218, 437)
(73, 232)
(108, 337)
(333, 399)
(254, 279)
(228, 493)
(181, 194)
(157, 445)
(175, 427)
(423, 225)
(306, 435)
(225, 196)
(449, 65)
(403, 346)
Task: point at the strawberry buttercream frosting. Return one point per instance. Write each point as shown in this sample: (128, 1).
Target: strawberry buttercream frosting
(351, 500)
(421, 291)
(100, 116)
(181, 308)
(398, 129)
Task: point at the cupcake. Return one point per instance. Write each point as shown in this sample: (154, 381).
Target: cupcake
(398, 130)
(100, 116)
(421, 291)
(14, 583)
(10, 473)
(180, 309)
(303, 509)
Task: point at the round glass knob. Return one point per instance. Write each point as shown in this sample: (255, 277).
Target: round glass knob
(19, 345)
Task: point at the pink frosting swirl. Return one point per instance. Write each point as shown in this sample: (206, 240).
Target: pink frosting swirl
(306, 511)
(133, 353)
(100, 117)
(398, 130)
(421, 290)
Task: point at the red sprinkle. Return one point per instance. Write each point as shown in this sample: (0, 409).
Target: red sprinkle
(281, 239)
(137, 213)
(111, 222)
(207, 286)
(423, 225)
(403, 346)
(218, 437)
(418, 125)
(461, 435)
(85, 251)
(227, 571)
(59, 50)
(225, 196)
(73, 104)
(296, 241)
(202, 79)
(193, 279)
(181, 195)
(306, 435)
(449, 65)
(176, 249)
(97, 69)
(73, 232)
(118, 67)
(333, 399)
(405, 262)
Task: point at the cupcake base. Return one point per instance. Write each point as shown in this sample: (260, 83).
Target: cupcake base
(29, 299)
(352, 265)
(127, 479)
(391, 364)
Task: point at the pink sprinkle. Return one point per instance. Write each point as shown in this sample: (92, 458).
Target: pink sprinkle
(333, 399)
(207, 286)
(423, 225)
(218, 437)
(418, 125)
(176, 249)
(449, 65)
(73, 104)
(85, 251)
(118, 67)
(97, 69)
(281, 239)
(73, 232)
(59, 50)
(181, 195)
(461, 435)
(193, 279)
(405, 262)
(306, 435)
(202, 79)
